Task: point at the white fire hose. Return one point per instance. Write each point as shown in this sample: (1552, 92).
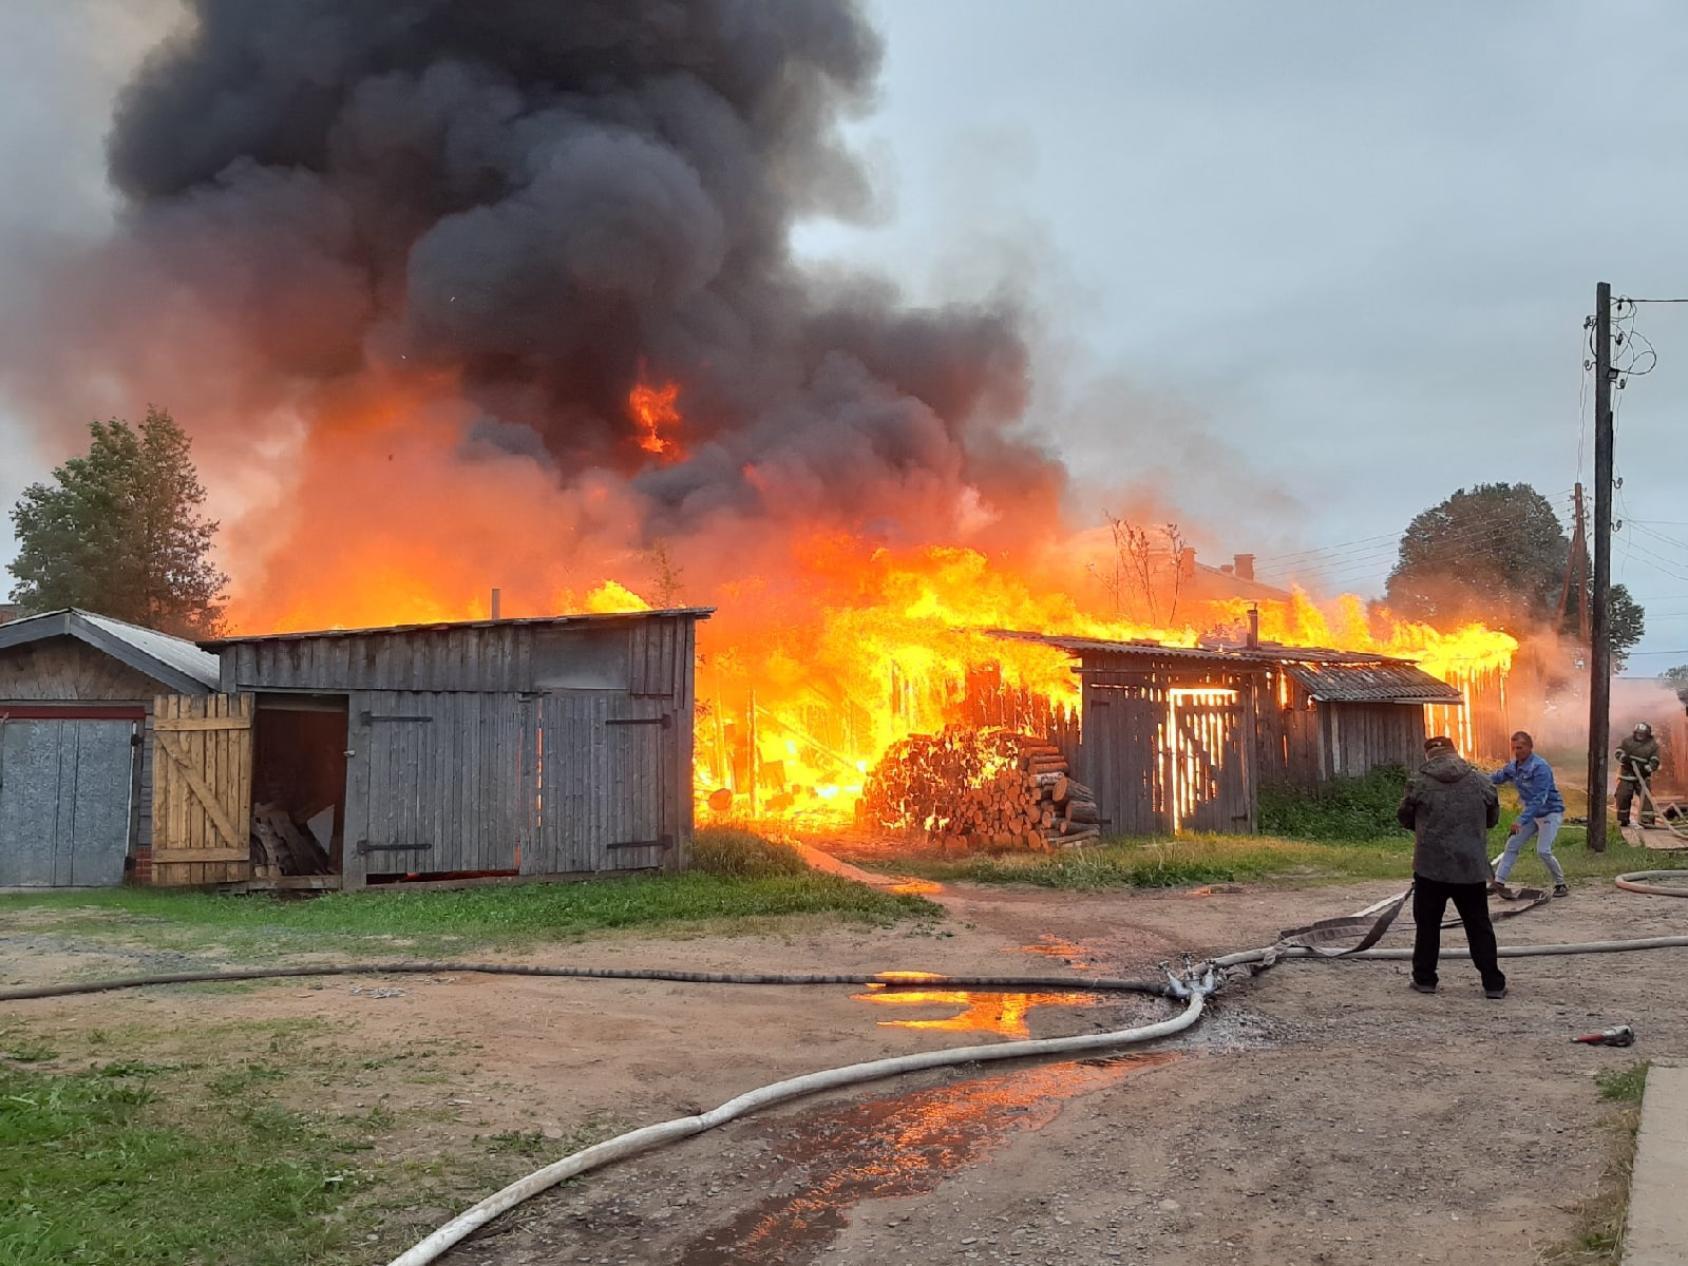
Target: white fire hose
(1196, 991)
(633, 1143)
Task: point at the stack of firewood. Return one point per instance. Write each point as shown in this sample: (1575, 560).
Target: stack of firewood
(971, 789)
(280, 847)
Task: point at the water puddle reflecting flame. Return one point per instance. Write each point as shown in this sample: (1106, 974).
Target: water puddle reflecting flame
(897, 1145)
(1051, 946)
(1001, 1013)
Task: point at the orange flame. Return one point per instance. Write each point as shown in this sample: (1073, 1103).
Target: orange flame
(654, 409)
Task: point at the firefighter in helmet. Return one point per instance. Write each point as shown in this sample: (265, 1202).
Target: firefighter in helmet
(1638, 760)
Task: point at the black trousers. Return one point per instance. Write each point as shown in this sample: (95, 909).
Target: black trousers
(1628, 793)
(1430, 903)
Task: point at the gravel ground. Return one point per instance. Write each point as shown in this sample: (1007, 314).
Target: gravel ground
(1321, 1113)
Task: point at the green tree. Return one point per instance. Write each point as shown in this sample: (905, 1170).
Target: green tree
(1499, 554)
(1626, 622)
(120, 531)
(1677, 679)
(1496, 553)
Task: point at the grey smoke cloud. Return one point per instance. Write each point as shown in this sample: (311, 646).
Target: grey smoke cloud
(539, 204)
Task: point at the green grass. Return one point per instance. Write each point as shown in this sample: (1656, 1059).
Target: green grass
(1207, 859)
(1344, 809)
(737, 877)
(1624, 1085)
(209, 1145)
(1599, 1236)
(97, 1167)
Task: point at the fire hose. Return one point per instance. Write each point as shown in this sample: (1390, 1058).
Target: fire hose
(890, 980)
(1635, 881)
(1195, 992)
(1193, 989)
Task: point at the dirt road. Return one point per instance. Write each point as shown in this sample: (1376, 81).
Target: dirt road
(1324, 1113)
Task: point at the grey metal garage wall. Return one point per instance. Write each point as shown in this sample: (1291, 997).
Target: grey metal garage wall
(65, 788)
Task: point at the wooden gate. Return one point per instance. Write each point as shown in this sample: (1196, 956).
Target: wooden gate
(202, 789)
(1120, 757)
(1209, 774)
(1163, 759)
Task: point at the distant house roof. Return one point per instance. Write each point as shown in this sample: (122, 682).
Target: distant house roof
(446, 626)
(171, 661)
(1331, 676)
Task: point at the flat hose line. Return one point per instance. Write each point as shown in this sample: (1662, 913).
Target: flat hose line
(641, 1140)
(652, 1136)
(889, 980)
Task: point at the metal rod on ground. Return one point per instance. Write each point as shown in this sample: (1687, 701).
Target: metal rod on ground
(1600, 650)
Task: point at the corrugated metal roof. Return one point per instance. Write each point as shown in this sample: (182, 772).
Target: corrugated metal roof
(1330, 675)
(173, 661)
(1386, 681)
(1100, 646)
(696, 613)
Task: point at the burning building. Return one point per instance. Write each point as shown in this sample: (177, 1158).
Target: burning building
(459, 294)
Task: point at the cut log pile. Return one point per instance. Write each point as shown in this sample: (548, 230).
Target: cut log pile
(974, 789)
(280, 847)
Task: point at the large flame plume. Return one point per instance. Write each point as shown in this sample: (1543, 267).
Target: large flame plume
(457, 294)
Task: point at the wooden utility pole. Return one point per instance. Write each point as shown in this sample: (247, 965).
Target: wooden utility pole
(1600, 647)
(1576, 577)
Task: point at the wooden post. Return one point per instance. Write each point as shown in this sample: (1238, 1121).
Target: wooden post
(1600, 649)
(496, 603)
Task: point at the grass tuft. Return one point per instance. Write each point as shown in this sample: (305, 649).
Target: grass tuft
(723, 850)
(1599, 1237)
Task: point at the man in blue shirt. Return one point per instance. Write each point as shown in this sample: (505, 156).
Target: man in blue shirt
(1541, 811)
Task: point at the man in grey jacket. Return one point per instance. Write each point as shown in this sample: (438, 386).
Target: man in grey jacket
(1449, 807)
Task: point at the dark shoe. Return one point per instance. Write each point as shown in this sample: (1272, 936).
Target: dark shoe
(1562, 890)
(1423, 988)
(1495, 993)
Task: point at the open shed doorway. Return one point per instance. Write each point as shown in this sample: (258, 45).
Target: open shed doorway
(299, 784)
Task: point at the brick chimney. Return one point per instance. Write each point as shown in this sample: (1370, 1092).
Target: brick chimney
(1243, 565)
(1187, 562)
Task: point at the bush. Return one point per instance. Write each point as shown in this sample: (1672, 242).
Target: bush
(1360, 808)
(725, 850)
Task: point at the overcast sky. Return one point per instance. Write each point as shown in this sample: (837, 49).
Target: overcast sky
(1338, 252)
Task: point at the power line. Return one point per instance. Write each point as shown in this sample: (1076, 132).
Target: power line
(1359, 561)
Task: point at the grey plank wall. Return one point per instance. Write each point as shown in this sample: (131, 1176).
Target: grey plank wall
(647, 655)
(442, 772)
(604, 785)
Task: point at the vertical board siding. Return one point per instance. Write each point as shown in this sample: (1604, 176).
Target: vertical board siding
(605, 784)
(449, 784)
(509, 772)
(473, 660)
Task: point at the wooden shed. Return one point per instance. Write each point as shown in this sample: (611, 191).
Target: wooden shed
(1181, 738)
(77, 745)
(1335, 714)
(493, 749)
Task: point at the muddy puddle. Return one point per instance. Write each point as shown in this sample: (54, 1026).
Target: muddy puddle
(897, 1145)
(1070, 952)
